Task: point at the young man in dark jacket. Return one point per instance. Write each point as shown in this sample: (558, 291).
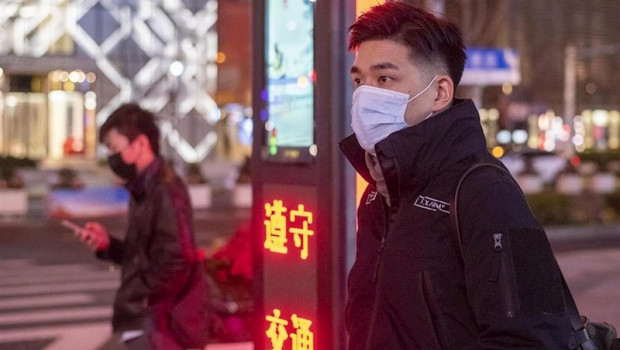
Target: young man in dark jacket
(159, 246)
(409, 288)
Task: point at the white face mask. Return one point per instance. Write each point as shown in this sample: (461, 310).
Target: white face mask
(377, 112)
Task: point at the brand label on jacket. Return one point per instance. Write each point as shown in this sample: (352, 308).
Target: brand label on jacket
(371, 197)
(432, 204)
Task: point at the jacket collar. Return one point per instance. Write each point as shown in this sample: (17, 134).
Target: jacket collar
(416, 154)
(145, 180)
(351, 148)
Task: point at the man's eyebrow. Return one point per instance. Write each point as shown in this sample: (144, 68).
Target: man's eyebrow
(384, 65)
(377, 66)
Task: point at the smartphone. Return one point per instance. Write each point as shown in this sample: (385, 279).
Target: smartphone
(75, 227)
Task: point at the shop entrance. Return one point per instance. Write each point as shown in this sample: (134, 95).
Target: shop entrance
(42, 118)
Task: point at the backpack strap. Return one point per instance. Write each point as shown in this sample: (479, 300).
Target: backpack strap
(580, 338)
(454, 222)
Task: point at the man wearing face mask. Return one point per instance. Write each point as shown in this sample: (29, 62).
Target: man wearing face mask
(409, 287)
(159, 247)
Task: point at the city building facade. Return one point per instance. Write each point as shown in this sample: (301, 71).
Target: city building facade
(65, 65)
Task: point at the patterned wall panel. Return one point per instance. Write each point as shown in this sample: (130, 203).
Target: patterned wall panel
(161, 53)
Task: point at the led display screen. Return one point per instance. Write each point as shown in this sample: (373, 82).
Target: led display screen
(289, 248)
(289, 94)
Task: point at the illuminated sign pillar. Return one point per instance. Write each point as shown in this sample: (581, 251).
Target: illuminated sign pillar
(303, 191)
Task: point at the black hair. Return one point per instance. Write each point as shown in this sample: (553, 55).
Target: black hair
(130, 120)
(430, 39)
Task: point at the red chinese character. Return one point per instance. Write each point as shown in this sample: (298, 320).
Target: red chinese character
(301, 234)
(277, 330)
(303, 338)
(275, 228)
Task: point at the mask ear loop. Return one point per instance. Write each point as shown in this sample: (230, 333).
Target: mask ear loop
(424, 90)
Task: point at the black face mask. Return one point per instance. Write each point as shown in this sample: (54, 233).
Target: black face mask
(120, 168)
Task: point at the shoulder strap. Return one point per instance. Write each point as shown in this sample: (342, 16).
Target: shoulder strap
(454, 222)
(580, 336)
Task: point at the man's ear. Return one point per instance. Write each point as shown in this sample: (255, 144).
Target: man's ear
(144, 142)
(445, 93)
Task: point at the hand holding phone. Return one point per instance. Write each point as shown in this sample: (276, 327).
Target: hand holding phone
(94, 234)
(77, 229)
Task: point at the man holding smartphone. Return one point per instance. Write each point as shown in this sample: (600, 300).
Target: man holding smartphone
(159, 249)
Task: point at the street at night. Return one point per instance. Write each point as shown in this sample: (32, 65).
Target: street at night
(322, 148)
(55, 295)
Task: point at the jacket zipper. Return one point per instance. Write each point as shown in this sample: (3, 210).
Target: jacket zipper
(375, 279)
(375, 305)
(497, 259)
(501, 268)
(379, 252)
(433, 308)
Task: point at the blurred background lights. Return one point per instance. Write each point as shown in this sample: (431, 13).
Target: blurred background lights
(68, 86)
(497, 151)
(54, 75)
(549, 145)
(578, 140)
(220, 58)
(245, 131)
(63, 76)
(74, 76)
(313, 150)
(543, 122)
(91, 77)
(248, 112)
(303, 81)
(600, 117)
(176, 68)
(503, 137)
(507, 88)
(90, 100)
(11, 101)
(519, 136)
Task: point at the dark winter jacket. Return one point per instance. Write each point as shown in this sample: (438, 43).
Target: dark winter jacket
(408, 288)
(158, 248)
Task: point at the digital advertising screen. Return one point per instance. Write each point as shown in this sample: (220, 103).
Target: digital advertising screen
(289, 92)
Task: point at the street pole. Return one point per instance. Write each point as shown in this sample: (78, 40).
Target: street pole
(570, 83)
(570, 86)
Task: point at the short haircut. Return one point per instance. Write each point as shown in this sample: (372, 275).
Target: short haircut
(431, 40)
(131, 121)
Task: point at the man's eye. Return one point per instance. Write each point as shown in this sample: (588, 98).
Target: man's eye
(357, 82)
(384, 79)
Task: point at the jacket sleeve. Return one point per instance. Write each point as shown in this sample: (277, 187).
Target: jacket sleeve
(172, 247)
(512, 279)
(114, 252)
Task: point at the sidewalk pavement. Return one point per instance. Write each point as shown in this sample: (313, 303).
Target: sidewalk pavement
(592, 276)
(589, 257)
(583, 237)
